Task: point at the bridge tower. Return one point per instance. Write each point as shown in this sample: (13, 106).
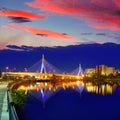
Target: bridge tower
(43, 68)
(80, 71)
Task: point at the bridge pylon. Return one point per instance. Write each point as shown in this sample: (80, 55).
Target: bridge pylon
(43, 68)
(80, 70)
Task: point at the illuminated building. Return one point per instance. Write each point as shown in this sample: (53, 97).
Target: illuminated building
(89, 72)
(99, 70)
(104, 70)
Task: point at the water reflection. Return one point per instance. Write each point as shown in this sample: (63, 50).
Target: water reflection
(99, 89)
(71, 101)
(43, 91)
(43, 94)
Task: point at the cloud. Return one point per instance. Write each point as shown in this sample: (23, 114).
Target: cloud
(86, 33)
(13, 47)
(59, 6)
(99, 14)
(101, 34)
(20, 48)
(112, 27)
(42, 35)
(117, 2)
(19, 19)
(64, 33)
(20, 15)
(116, 36)
(41, 32)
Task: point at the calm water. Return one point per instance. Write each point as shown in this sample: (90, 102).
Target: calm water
(73, 103)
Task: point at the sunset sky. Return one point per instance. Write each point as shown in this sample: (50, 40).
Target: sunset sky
(58, 22)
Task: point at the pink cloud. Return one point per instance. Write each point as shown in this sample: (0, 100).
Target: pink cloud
(57, 6)
(101, 12)
(117, 2)
(106, 27)
(42, 32)
(8, 27)
(21, 13)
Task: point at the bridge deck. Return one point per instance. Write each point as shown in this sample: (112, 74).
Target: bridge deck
(43, 75)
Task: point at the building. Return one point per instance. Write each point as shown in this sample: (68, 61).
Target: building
(89, 72)
(99, 70)
(104, 70)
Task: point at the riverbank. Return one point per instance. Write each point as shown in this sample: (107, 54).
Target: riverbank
(4, 114)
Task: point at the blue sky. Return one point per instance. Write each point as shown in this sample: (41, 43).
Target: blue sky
(58, 22)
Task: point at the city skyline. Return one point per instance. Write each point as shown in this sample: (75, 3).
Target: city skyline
(58, 23)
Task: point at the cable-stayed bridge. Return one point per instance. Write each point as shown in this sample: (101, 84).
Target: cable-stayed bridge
(43, 71)
(43, 66)
(78, 71)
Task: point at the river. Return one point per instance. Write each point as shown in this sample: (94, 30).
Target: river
(74, 102)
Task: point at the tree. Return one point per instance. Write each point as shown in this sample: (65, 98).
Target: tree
(111, 76)
(117, 75)
(18, 97)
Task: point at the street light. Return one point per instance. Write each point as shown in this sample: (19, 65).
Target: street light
(7, 68)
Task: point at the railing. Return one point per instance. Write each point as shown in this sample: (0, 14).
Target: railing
(11, 108)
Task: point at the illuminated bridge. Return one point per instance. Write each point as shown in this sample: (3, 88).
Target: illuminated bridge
(44, 71)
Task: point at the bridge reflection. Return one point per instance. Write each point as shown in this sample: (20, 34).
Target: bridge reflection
(44, 90)
(37, 84)
(29, 85)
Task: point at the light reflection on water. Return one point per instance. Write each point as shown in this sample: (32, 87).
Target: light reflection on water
(43, 91)
(99, 89)
(71, 101)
